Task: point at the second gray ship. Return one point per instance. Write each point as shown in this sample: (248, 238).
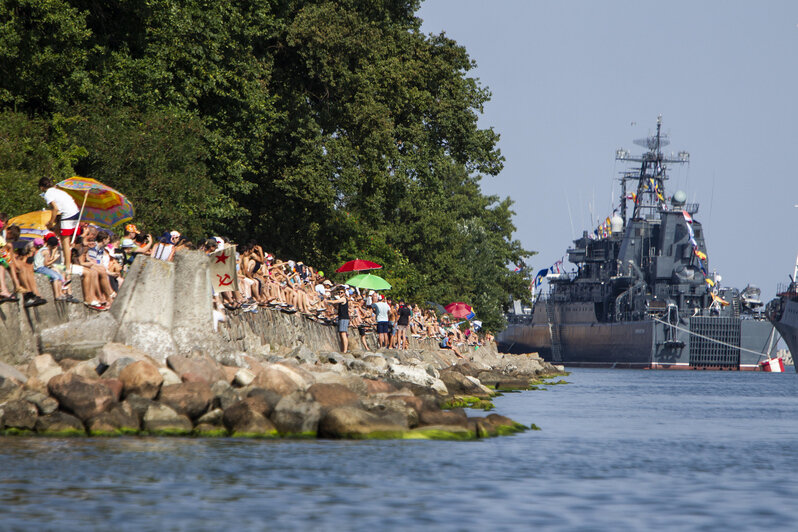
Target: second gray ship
(642, 295)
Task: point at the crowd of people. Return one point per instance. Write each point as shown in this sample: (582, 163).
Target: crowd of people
(100, 258)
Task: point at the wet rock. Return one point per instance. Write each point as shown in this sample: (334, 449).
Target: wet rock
(44, 368)
(224, 395)
(160, 419)
(459, 384)
(391, 411)
(169, 376)
(206, 430)
(213, 417)
(191, 399)
(19, 414)
(119, 420)
(351, 422)
(243, 420)
(442, 432)
(59, 424)
(81, 396)
(201, 369)
(333, 395)
(141, 378)
(297, 415)
(138, 405)
(454, 417)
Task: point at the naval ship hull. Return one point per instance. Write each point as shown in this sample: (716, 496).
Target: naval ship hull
(644, 344)
(787, 326)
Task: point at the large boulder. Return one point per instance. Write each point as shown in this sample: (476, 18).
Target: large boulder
(120, 419)
(352, 382)
(297, 415)
(415, 376)
(352, 422)
(243, 377)
(391, 411)
(60, 424)
(200, 369)
(160, 419)
(459, 384)
(19, 414)
(191, 399)
(333, 395)
(244, 419)
(281, 379)
(44, 367)
(138, 405)
(169, 376)
(116, 367)
(454, 417)
(84, 398)
(267, 399)
(85, 368)
(141, 378)
(378, 386)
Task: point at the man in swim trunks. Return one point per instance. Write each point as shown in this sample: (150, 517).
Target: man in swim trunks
(61, 204)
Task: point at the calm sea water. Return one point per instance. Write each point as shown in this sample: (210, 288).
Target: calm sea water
(619, 450)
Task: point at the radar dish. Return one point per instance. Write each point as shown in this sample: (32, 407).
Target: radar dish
(651, 142)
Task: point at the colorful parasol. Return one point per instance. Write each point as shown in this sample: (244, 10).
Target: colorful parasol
(369, 282)
(32, 225)
(101, 204)
(358, 265)
(460, 310)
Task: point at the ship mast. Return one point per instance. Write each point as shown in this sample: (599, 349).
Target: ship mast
(651, 177)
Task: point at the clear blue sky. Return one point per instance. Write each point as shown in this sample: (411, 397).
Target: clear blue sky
(572, 81)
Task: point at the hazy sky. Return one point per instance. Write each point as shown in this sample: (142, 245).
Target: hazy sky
(572, 81)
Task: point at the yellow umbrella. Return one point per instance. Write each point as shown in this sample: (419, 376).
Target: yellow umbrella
(32, 225)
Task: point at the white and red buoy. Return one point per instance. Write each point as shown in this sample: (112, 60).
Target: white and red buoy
(773, 365)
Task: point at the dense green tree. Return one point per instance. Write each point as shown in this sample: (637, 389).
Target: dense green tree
(327, 130)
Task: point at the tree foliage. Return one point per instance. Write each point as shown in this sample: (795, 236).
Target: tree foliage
(327, 130)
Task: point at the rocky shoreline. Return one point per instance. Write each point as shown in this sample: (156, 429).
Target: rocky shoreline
(153, 364)
(296, 393)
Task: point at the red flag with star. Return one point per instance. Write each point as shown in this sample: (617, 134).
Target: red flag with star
(223, 270)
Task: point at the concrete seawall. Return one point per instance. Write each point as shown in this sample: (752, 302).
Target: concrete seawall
(163, 309)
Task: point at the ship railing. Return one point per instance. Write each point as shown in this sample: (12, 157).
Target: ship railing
(691, 208)
(789, 290)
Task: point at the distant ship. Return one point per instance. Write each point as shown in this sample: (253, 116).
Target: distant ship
(642, 295)
(783, 312)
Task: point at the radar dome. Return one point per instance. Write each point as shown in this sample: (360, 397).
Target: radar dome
(679, 197)
(616, 223)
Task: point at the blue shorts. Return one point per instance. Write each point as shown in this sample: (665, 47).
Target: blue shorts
(383, 327)
(52, 274)
(343, 325)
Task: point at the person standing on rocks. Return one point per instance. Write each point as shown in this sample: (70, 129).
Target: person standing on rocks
(342, 300)
(402, 324)
(381, 310)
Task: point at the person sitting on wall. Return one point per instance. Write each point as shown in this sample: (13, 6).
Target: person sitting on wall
(448, 343)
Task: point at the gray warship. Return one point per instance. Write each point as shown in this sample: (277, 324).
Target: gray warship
(641, 295)
(783, 312)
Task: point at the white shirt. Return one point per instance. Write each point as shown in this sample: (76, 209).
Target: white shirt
(382, 309)
(63, 202)
(320, 289)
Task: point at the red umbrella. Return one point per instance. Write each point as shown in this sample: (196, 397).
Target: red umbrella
(460, 310)
(358, 265)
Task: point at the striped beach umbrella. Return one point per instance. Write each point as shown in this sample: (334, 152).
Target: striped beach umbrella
(32, 225)
(100, 204)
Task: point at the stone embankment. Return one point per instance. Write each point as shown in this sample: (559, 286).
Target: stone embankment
(153, 365)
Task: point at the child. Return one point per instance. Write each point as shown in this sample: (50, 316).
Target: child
(43, 262)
